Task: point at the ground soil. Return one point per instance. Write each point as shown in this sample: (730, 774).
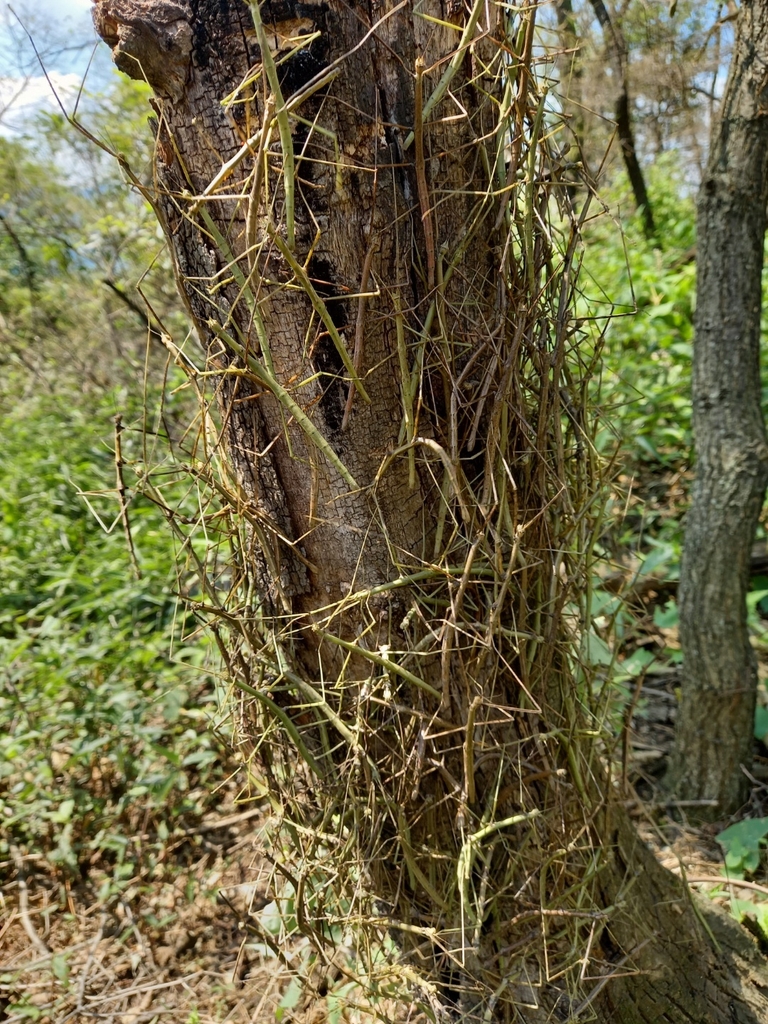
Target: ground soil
(188, 945)
(176, 947)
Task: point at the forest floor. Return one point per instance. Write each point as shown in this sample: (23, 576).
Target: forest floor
(180, 948)
(190, 948)
(192, 941)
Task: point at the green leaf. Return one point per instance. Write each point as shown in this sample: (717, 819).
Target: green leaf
(60, 969)
(291, 998)
(662, 309)
(761, 723)
(64, 813)
(637, 661)
(750, 908)
(661, 555)
(271, 919)
(24, 1010)
(666, 617)
(336, 1001)
(741, 844)
(597, 650)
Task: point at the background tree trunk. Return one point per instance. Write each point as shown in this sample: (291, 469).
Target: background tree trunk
(403, 564)
(715, 724)
(570, 85)
(617, 48)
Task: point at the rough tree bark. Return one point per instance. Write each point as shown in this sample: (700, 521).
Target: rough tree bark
(570, 73)
(617, 47)
(715, 726)
(343, 208)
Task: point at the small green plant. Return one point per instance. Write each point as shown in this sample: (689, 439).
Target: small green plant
(754, 917)
(761, 723)
(742, 845)
(290, 1000)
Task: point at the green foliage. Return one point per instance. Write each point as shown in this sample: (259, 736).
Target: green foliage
(742, 845)
(291, 999)
(105, 693)
(104, 709)
(641, 295)
(754, 916)
(761, 723)
(647, 294)
(643, 292)
(74, 243)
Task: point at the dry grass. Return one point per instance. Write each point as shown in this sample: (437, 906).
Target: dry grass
(171, 947)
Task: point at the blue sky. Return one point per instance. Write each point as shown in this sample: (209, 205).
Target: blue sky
(63, 8)
(63, 33)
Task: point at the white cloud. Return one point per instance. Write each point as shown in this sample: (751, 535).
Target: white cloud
(21, 98)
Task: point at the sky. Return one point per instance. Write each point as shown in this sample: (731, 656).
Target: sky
(63, 34)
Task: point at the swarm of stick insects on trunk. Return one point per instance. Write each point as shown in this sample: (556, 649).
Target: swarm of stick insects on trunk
(411, 495)
(283, 123)
(253, 143)
(267, 380)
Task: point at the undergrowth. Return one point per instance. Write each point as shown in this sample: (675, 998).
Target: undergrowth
(106, 697)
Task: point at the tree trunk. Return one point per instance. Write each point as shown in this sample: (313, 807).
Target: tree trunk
(569, 67)
(570, 86)
(617, 48)
(715, 724)
(377, 203)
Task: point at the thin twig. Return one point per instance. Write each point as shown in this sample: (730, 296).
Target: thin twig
(83, 981)
(421, 175)
(121, 495)
(26, 920)
(357, 355)
(732, 882)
